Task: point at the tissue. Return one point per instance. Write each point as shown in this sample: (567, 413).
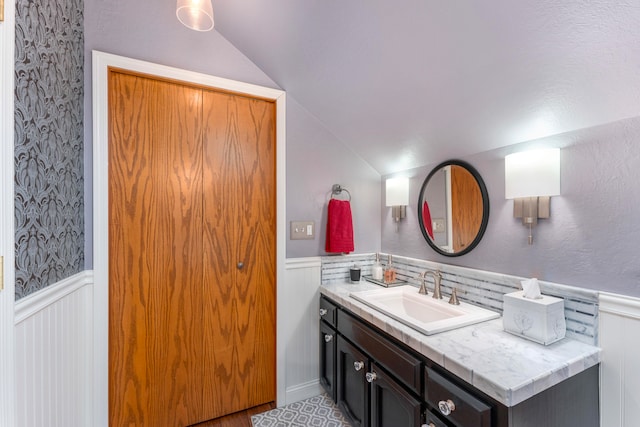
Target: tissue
(531, 289)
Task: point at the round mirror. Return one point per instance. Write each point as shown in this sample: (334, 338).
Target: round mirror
(453, 208)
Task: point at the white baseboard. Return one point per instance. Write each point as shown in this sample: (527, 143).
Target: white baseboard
(303, 391)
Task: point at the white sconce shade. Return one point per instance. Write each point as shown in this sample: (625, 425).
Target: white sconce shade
(532, 174)
(397, 192)
(531, 178)
(397, 196)
(195, 14)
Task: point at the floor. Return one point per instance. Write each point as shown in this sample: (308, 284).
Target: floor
(317, 411)
(239, 419)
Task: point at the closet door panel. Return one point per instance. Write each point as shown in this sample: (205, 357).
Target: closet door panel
(239, 247)
(155, 268)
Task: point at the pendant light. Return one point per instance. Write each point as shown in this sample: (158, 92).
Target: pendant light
(195, 14)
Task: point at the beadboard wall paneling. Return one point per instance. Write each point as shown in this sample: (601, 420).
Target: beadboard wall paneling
(49, 183)
(301, 304)
(53, 354)
(620, 370)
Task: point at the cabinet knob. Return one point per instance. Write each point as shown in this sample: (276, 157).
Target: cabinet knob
(328, 337)
(240, 265)
(371, 377)
(446, 407)
(323, 311)
(358, 365)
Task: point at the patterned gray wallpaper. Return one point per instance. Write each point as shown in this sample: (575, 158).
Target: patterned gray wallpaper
(49, 186)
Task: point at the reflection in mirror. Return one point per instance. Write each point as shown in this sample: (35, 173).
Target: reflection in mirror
(453, 208)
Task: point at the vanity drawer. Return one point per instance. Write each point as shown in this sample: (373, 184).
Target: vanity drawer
(466, 410)
(432, 420)
(328, 311)
(402, 364)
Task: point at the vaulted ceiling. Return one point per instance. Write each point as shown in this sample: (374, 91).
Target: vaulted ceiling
(411, 82)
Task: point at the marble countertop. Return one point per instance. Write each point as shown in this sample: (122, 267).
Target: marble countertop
(506, 367)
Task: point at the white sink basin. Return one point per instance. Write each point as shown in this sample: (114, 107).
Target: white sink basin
(422, 312)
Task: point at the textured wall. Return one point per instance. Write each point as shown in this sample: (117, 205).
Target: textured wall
(316, 159)
(591, 239)
(48, 142)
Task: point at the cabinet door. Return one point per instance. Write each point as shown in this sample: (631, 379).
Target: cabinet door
(328, 359)
(353, 389)
(391, 405)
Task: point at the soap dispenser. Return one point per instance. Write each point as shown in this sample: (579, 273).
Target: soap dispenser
(376, 270)
(389, 272)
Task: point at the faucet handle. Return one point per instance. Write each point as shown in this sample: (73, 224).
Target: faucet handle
(423, 285)
(454, 297)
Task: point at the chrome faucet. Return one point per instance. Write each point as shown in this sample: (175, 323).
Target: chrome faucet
(437, 278)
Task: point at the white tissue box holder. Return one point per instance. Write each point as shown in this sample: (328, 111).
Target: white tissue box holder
(540, 320)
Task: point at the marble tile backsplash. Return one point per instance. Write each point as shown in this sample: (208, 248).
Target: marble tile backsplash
(478, 287)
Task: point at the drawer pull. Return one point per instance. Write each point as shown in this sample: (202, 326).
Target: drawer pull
(323, 311)
(328, 337)
(446, 407)
(371, 377)
(358, 365)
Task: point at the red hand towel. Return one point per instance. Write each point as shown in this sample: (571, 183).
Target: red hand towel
(426, 219)
(339, 227)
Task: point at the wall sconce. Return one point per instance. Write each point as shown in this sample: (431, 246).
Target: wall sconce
(531, 177)
(195, 14)
(398, 197)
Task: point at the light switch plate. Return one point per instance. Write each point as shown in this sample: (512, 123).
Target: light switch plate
(303, 230)
(438, 225)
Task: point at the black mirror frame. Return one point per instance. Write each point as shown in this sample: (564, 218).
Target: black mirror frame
(485, 207)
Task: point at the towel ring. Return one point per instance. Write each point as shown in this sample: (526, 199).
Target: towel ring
(337, 189)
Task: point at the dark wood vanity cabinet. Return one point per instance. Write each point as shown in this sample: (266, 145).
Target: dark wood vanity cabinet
(328, 336)
(380, 382)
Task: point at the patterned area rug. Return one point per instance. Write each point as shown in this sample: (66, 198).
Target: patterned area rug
(318, 411)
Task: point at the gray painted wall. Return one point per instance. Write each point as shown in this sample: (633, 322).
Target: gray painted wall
(592, 238)
(589, 241)
(148, 30)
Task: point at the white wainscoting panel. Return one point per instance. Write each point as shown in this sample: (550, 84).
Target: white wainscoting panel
(300, 307)
(620, 367)
(53, 355)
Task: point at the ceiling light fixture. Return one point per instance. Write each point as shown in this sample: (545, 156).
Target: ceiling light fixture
(195, 14)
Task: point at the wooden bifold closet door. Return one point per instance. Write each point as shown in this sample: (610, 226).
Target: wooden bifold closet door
(192, 232)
